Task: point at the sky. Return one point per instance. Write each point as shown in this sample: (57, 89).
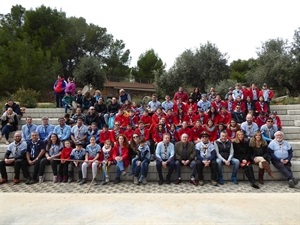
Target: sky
(236, 27)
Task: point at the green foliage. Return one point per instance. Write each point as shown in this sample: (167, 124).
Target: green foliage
(222, 86)
(148, 63)
(26, 97)
(239, 69)
(89, 72)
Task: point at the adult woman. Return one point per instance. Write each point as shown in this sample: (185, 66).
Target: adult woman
(70, 87)
(211, 129)
(232, 128)
(53, 152)
(211, 114)
(242, 153)
(59, 90)
(196, 95)
(120, 155)
(92, 153)
(259, 156)
(9, 122)
(133, 151)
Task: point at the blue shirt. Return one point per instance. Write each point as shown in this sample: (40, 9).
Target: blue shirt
(249, 130)
(268, 133)
(93, 150)
(205, 151)
(45, 131)
(63, 133)
(17, 150)
(160, 151)
(280, 151)
(167, 105)
(153, 105)
(54, 149)
(204, 105)
(27, 130)
(79, 132)
(77, 155)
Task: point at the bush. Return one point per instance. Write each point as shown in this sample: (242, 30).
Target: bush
(26, 97)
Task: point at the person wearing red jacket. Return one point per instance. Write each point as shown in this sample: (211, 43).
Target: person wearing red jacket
(142, 131)
(238, 101)
(133, 119)
(129, 132)
(156, 118)
(276, 119)
(120, 155)
(218, 103)
(267, 94)
(114, 133)
(179, 104)
(180, 117)
(246, 92)
(157, 136)
(63, 166)
(211, 114)
(211, 129)
(254, 93)
(261, 119)
(174, 136)
(104, 135)
(185, 130)
(232, 128)
(192, 117)
(180, 94)
(223, 117)
(192, 104)
(229, 103)
(260, 106)
(121, 118)
(146, 119)
(170, 118)
(196, 131)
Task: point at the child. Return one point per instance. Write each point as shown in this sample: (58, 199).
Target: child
(141, 169)
(63, 166)
(104, 135)
(92, 153)
(77, 155)
(129, 132)
(106, 161)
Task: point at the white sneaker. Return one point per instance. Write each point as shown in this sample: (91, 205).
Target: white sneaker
(54, 179)
(41, 179)
(135, 180)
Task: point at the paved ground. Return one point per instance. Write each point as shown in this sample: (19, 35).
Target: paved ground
(125, 203)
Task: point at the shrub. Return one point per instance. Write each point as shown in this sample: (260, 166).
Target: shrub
(26, 97)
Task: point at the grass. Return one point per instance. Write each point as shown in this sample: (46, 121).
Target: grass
(285, 100)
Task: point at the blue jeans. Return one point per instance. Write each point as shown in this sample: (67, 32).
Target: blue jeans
(142, 169)
(66, 105)
(120, 168)
(285, 169)
(192, 165)
(6, 129)
(235, 162)
(133, 165)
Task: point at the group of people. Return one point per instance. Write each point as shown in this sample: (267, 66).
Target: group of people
(197, 130)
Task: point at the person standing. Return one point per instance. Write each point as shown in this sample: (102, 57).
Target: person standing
(281, 153)
(165, 158)
(15, 156)
(70, 86)
(59, 90)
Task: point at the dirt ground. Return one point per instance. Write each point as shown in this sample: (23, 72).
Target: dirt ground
(229, 208)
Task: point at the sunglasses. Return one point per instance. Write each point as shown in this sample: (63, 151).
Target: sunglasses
(135, 136)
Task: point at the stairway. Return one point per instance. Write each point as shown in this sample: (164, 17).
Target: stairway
(289, 114)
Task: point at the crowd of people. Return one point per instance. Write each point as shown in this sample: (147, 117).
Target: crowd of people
(196, 130)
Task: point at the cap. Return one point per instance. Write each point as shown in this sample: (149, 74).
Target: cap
(204, 133)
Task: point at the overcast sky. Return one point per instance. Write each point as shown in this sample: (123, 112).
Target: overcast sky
(236, 27)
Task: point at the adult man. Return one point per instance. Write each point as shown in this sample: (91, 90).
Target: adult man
(180, 94)
(238, 115)
(79, 132)
(167, 104)
(165, 158)
(45, 130)
(91, 117)
(62, 130)
(153, 105)
(27, 129)
(225, 152)
(78, 113)
(112, 110)
(101, 109)
(15, 107)
(18, 159)
(185, 154)
(206, 155)
(35, 152)
(204, 104)
(281, 154)
(79, 98)
(268, 130)
(249, 127)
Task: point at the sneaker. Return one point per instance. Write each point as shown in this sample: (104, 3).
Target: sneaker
(201, 182)
(160, 182)
(124, 173)
(234, 180)
(54, 179)
(32, 181)
(130, 174)
(214, 183)
(135, 180)
(152, 157)
(141, 179)
(3, 181)
(291, 183)
(83, 181)
(41, 179)
(27, 180)
(295, 181)
(221, 181)
(107, 179)
(95, 182)
(117, 180)
(145, 181)
(16, 181)
(104, 182)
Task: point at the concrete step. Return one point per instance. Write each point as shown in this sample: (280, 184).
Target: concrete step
(185, 173)
(54, 110)
(293, 112)
(42, 114)
(290, 130)
(285, 107)
(38, 121)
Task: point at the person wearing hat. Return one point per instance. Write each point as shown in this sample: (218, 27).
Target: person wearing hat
(45, 129)
(77, 155)
(206, 157)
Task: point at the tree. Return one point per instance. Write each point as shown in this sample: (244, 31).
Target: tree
(274, 66)
(89, 72)
(239, 69)
(148, 63)
(205, 65)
